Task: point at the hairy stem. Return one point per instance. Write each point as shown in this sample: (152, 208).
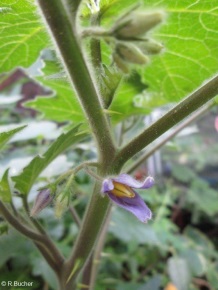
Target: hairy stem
(72, 7)
(69, 46)
(92, 224)
(95, 45)
(197, 99)
(97, 253)
(163, 141)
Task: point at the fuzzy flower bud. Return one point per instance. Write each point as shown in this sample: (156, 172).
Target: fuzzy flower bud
(131, 53)
(43, 199)
(136, 24)
(149, 46)
(121, 64)
(61, 204)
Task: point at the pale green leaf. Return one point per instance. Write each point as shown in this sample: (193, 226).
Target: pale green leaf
(190, 37)
(137, 231)
(196, 262)
(22, 34)
(26, 179)
(179, 272)
(202, 241)
(202, 196)
(212, 276)
(63, 105)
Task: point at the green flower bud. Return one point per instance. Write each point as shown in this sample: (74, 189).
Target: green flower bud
(121, 64)
(61, 204)
(131, 53)
(136, 24)
(149, 46)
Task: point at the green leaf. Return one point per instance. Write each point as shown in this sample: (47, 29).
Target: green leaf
(123, 102)
(179, 272)
(212, 276)
(196, 262)
(202, 196)
(63, 106)
(137, 231)
(6, 136)
(25, 180)
(110, 80)
(182, 173)
(5, 190)
(14, 245)
(200, 240)
(40, 267)
(22, 34)
(190, 37)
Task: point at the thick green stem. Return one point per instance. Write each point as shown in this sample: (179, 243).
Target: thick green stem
(72, 7)
(163, 141)
(97, 253)
(92, 224)
(197, 99)
(68, 43)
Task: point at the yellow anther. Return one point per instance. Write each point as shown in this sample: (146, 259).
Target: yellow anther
(122, 190)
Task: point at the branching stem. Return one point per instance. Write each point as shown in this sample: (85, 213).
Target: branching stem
(43, 240)
(197, 99)
(169, 136)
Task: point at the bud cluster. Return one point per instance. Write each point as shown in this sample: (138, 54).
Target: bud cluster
(131, 44)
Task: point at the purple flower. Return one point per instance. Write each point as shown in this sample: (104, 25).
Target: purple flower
(43, 199)
(120, 191)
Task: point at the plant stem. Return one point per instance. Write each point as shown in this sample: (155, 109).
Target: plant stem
(72, 7)
(96, 32)
(13, 221)
(70, 49)
(75, 216)
(163, 141)
(97, 252)
(95, 44)
(92, 224)
(205, 93)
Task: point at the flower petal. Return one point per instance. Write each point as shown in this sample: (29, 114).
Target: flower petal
(107, 185)
(130, 181)
(135, 205)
